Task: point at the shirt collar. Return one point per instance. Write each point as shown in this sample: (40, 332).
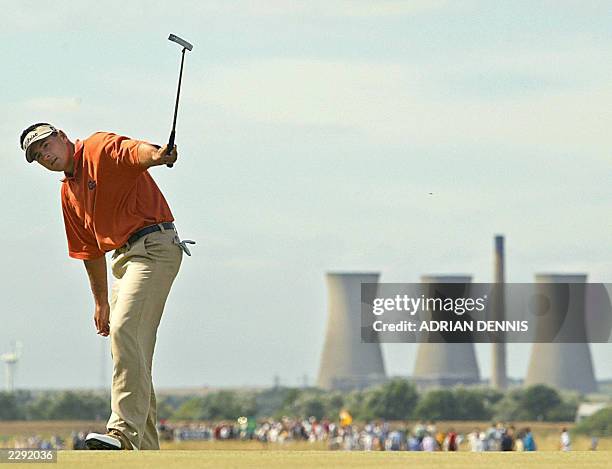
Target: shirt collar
(78, 152)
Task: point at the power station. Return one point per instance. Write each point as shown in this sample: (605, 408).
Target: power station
(347, 363)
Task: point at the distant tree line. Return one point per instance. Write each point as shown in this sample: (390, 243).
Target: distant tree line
(54, 405)
(397, 399)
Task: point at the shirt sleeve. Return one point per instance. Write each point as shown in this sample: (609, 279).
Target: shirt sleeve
(123, 151)
(81, 243)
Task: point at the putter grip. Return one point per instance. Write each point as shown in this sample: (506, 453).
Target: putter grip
(170, 146)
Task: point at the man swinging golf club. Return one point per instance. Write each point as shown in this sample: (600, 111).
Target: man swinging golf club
(111, 202)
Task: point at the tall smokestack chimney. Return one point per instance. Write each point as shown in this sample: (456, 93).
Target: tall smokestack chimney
(498, 356)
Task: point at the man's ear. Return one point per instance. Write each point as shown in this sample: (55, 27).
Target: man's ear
(62, 135)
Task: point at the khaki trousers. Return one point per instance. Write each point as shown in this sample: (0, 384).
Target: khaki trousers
(143, 273)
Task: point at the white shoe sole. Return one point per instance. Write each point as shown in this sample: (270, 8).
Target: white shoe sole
(100, 441)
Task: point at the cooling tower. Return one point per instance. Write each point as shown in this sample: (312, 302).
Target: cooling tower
(562, 365)
(498, 352)
(346, 362)
(445, 364)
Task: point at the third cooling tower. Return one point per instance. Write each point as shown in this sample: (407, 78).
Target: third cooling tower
(562, 365)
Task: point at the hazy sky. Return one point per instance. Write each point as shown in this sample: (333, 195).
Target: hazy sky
(310, 136)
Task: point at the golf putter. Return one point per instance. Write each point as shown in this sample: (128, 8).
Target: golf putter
(186, 46)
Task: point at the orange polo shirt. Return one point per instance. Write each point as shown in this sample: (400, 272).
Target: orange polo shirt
(109, 196)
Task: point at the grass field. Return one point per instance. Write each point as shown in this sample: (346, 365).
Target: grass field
(315, 459)
(253, 454)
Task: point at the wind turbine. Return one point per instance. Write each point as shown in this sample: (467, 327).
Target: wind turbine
(10, 359)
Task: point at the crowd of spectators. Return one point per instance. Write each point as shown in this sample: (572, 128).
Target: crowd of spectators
(373, 436)
(38, 442)
(499, 437)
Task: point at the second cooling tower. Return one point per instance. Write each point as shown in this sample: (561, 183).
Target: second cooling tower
(346, 362)
(445, 364)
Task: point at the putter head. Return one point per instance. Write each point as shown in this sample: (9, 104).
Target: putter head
(180, 41)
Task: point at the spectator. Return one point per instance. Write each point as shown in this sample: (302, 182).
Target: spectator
(492, 438)
(450, 443)
(420, 430)
(476, 444)
(440, 438)
(429, 443)
(565, 443)
(507, 440)
(413, 443)
(528, 440)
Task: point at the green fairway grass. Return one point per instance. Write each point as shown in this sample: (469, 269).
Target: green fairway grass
(315, 459)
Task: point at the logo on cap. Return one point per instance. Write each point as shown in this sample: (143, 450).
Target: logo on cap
(36, 134)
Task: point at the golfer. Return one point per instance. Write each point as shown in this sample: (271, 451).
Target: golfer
(111, 202)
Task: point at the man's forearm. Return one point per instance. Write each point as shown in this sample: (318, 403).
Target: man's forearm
(150, 155)
(96, 270)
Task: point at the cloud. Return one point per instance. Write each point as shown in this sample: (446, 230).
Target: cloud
(297, 91)
(53, 104)
(87, 15)
(346, 8)
(394, 102)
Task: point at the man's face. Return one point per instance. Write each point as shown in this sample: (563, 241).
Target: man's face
(52, 152)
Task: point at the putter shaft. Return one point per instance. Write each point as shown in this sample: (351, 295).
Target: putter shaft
(186, 46)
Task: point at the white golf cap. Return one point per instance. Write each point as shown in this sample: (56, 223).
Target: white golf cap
(37, 133)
